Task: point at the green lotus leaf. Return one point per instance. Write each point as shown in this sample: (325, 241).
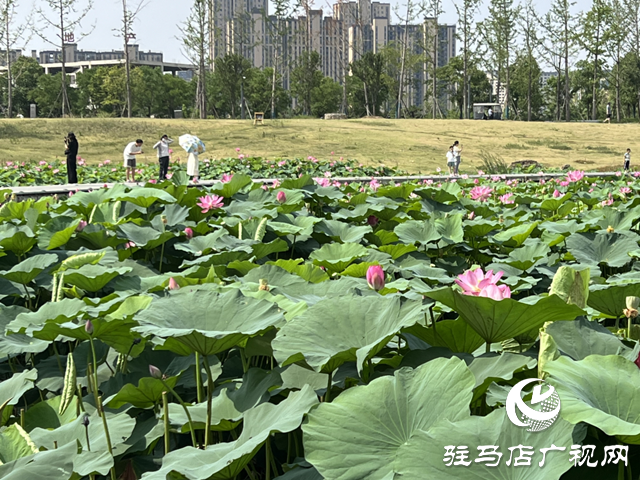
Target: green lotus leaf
(15, 443)
(206, 322)
(480, 228)
(553, 204)
(93, 278)
(343, 232)
(617, 219)
(594, 249)
(27, 270)
(225, 461)
(12, 389)
(15, 210)
(343, 329)
(297, 183)
(396, 191)
(261, 250)
(423, 456)
(489, 369)
(335, 257)
(58, 312)
(147, 394)
(414, 267)
(499, 320)
(301, 473)
(144, 197)
(397, 251)
(533, 252)
(17, 239)
(49, 465)
(224, 415)
(144, 236)
(17, 343)
(369, 440)
(45, 414)
(230, 188)
(175, 214)
(306, 271)
(582, 338)
(571, 285)
(456, 335)
(448, 193)
(515, 236)
(57, 232)
(611, 299)
(414, 231)
(450, 228)
(201, 245)
(80, 260)
(601, 391)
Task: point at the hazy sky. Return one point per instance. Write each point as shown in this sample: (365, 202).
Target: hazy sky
(157, 26)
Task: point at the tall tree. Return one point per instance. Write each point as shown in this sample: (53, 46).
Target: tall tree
(466, 10)
(196, 38)
(594, 35)
(632, 24)
(278, 30)
(563, 23)
(11, 35)
(128, 17)
(433, 11)
(369, 69)
(616, 45)
(403, 58)
(229, 72)
(305, 77)
(63, 16)
(529, 27)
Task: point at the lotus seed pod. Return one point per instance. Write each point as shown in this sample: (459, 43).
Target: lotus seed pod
(610, 229)
(264, 285)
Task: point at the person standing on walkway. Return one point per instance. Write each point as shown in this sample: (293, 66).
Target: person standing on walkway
(193, 166)
(457, 151)
(627, 160)
(451, 160)
(163, 155)
(130, 152)
(609, 113)
(71, 151)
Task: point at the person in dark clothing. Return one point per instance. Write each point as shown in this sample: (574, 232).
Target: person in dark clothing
(71, 152)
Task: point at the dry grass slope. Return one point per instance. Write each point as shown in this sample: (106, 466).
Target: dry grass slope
(413, 145)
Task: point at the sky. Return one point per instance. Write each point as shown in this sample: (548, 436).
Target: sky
(158, 25)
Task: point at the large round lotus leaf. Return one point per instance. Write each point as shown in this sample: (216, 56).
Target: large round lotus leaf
(362, 433)
(17, 343)
(225, 461)
(423, 457)
(611, 299)
(414, 231)
(144, 197)
(207, 322)
(499, 320)
(335, 257)
(15, 443)
(342, 232)
(344, 329)
(493, 368)
(19, 240)
(11, 390)
(601, 391)
(582, 338)
(57, 232)
(224, 415)
(515, 236)
(594, 249)
(27, 270)
(93, 278)
(456, 335)
(54, 464)
(529, 255)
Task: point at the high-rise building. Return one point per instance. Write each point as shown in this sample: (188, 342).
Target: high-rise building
(356, 27)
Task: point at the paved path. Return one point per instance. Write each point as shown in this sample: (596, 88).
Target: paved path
(47, 190)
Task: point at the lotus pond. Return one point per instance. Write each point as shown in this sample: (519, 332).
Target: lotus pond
(313, 331)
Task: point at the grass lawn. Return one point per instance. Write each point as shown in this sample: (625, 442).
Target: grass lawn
(413, 145)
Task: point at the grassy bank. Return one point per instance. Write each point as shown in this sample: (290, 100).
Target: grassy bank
(414, 145)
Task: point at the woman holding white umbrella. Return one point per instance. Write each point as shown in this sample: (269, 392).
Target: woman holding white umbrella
(193, 146)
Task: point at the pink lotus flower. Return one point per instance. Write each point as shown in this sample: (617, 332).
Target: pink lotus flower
(129, 245)
(241, 156)
(506, 198)
(375, 277)
(481, 194)
(323, 182)
(153, 180)
(471, 215)
(327, 174)
(625, 190)
(169, 176)
(478, 284)
(564, 183)
(226, 178)
(607, 203)
(173, 285)
(575, 176)
(281, 197)
(42, 162)
(556, 194)
(188, 232)
(374, 184)
(237, 149)
(107, 162)
(282, 163)
(276, 183)
(56, 171)
(618, 174)
(210, 202)
(81, 226)
(480, 172)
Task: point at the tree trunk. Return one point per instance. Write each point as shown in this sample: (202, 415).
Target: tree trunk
(465, 66)
(434, 80)
(64, 72)
(529, 87)
(594, 106)
(567, 90)
(404, 52)
(9, 74)
(618, 89)
(127, 63)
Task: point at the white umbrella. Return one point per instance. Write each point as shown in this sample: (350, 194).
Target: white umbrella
(191, 144)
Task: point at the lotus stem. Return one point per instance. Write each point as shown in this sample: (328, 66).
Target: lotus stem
(327, 395)
(207, 432)
(165, 411)
(245, 364)
(268, 460)
(55, 350)
(186, 411)
(199, 391)
(95, 369)
(620, 471)
(161, 257)
(26, 290)
(79, 393)
(106, 433)
(488, 347)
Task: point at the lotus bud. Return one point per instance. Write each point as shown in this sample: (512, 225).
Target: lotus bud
(610, 229)
(85, 420)
(136, 341)
(281, 197)
(188, 232)
(173, 285)
(375, 277)
(632, 307)
(81, 226)
(155, 372)
(89, 327)
(264, 285)
(373, 220)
